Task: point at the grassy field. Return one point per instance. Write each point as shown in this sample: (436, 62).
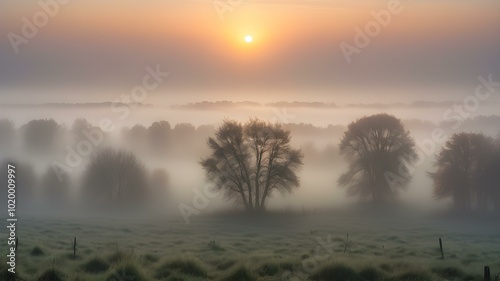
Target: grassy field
(236, 248)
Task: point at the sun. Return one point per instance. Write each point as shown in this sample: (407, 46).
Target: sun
(248, 39)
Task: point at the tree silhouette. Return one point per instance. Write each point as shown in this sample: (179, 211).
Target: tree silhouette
(116, 179)
(250, 161)
(41, 135)
(79, 126)
(467, 168)
(136, 137)
(376, 148)
(55, 190)
(158, 134)
(7, 133)
(158, 183)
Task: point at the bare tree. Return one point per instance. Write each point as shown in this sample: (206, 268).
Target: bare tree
(467, 168)
(117, 178)
(377, 147)
(250, 161)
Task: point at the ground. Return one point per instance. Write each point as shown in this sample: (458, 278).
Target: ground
(234, 248)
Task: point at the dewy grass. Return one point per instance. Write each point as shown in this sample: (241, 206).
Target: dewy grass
(37, 251)
(185, 265)
(95, 265)
(335, 272)
(266, 256)
(127, 271)
(51, 275)
(238, 272)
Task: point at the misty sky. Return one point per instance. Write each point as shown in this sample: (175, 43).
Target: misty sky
(95, 50)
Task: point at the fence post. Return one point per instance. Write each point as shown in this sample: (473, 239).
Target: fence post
(487, 275)
(441, 248)
(74, 248)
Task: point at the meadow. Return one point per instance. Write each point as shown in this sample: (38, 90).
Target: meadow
(267, 247)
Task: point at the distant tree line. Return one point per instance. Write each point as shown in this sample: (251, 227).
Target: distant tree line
(250, 161)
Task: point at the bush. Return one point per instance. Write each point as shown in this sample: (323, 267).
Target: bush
(115, 178)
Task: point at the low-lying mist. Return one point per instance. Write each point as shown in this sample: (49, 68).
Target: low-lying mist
(172, 141)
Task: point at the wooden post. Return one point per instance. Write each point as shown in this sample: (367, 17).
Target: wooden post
(441, 248)
(74, 248)
(346, 242)
(487, 275)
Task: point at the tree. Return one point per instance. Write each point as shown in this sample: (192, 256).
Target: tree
(116, 178)
(55, 192)
(79, 126)
(136, 137)
(158, 183)
(41, 135)
(379, 151)
(7, 133)
(467, 168)
(159, 134)
(250, 161)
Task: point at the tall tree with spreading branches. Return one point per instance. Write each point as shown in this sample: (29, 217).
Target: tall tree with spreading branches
(379, 151)
(467, 171)
(250, 161)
